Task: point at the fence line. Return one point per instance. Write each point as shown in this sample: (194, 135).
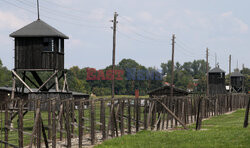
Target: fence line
(66, 123)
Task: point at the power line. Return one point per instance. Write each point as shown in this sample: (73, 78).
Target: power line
(144, 30)
(58, 15)
(55, 18)
(143, 36)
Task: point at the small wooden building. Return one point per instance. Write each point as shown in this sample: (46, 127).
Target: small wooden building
(237, 82)
(216, 80)
(166, 91)
(39, 46)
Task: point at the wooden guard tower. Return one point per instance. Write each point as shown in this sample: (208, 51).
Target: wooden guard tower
(39, 47)
(216, 80)
(237, 82)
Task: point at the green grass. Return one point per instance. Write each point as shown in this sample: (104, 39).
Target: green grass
(119, 96)
(221, 131)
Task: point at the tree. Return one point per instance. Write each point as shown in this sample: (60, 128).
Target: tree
(5, 75)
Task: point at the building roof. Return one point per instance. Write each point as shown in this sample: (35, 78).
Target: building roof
(38, 28)
(26, 91)
(166, 90)
(216, 70)
(236, 74)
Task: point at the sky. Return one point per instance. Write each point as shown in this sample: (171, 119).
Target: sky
(144, 30)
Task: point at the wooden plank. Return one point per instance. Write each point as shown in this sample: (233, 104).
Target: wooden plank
(121, 117)
(38, 132)
(103, 119)
(172, 114)
(6, 143)
(129, 117)
(16, 75)
(44, 134)
(6, 130)
(20, 124)
(247, 114)
(49, 119)
(35, 123)
(92, 123)
(137, 125)
(67, 123)
(80, 119)
(72, 106)
(47, 81)
(53, 124)
(145, 115)
(199, 117)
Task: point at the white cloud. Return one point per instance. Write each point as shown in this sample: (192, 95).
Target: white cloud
(10, 21)
(145, 16)
(97, 14)
(234, 23)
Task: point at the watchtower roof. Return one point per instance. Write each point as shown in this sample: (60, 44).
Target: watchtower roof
(38, 28)
(217, 70)
(237, 74)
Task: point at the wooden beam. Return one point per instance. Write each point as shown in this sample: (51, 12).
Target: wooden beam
(31, 81)
(16, 75)
(35, 125)
(47, 81)
(172, 114)
(38, 80)
(53, 84)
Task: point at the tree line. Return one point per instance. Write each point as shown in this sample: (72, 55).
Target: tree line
(188, 76)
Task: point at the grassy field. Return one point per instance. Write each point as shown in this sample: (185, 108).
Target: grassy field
(118, 96)
(221, 131)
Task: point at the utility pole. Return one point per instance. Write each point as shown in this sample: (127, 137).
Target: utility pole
(172, 77)
(38, 13)
(230, 85)
(113, 60)
(207, 73)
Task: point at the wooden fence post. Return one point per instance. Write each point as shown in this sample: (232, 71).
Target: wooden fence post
(20, 123)
(38, 141)
(247, 114)
(53, 123)
(145, 114)
(49, 119)
(199, 116)
(6, 124)
(80, 110)
(37, 117)
(103, 119)
(72, 122)
(92, 121)
(122, 115)
(137, 114)
(67, 125)
(61, 120)
(129, 116)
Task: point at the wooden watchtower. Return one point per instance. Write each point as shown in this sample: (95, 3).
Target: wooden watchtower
(39, 47)
(216, 80)
(237, 82)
